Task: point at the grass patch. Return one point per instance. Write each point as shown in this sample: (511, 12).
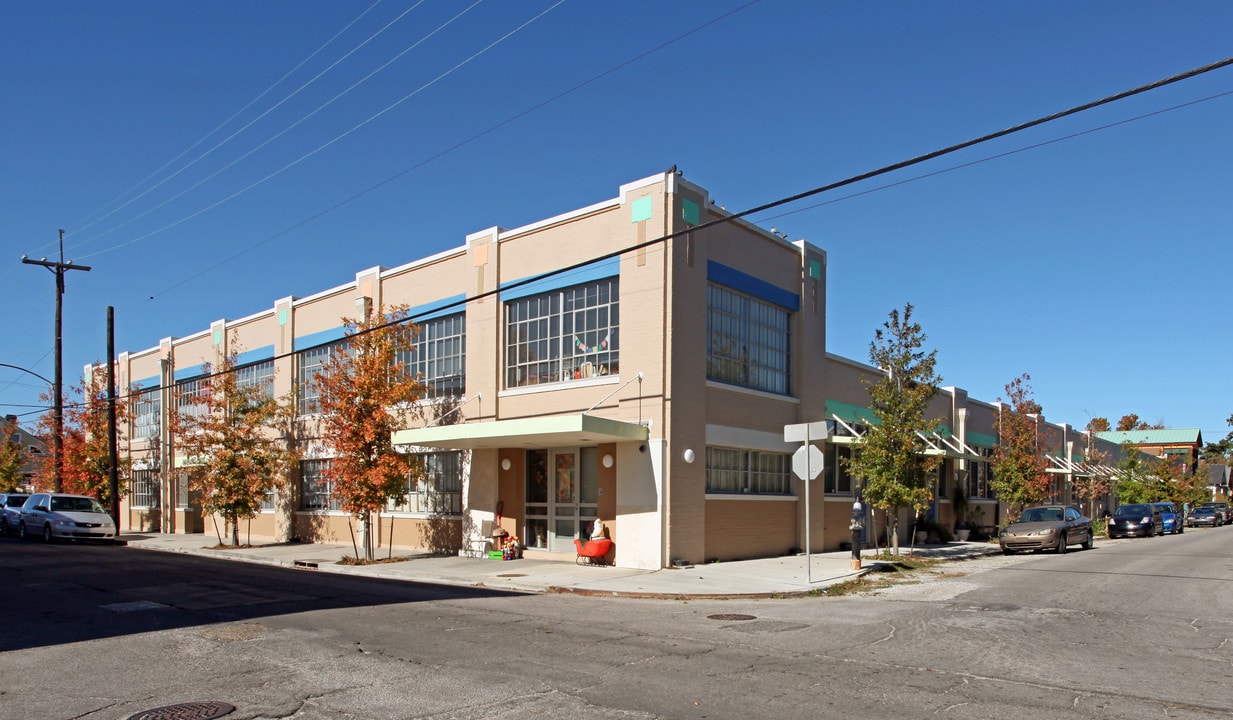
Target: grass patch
(348, 560)
(888, 570)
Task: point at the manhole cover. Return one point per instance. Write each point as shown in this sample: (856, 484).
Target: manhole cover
(512, 575)
(731, 616)
(207, 710)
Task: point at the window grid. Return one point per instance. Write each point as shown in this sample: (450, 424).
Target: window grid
(731, 470)
(191, 397)
(258, 375)
(147, 414)
(748, 341)
(438, 357)
(563, 335)
(143, 489)
(316, 490)
(439, 491)
(309, 363)
(837, 479)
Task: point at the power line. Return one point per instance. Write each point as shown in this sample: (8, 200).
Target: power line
(250, 123)
(327, 144)
(223, 124)
(789, 199)
(452, 148)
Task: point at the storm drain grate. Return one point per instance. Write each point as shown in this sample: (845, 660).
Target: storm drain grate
(731, 616)
(207, 710)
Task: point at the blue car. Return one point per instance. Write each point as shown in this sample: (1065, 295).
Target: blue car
(1174, 522)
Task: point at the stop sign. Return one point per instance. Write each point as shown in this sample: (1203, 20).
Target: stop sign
(807, 462)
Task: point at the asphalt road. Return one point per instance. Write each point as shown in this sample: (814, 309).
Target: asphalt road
(1132, 629)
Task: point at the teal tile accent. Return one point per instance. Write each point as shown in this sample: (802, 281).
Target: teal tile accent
(689, 211)
(815, 269)
(218, 337)
(641, 209)
(282, 317)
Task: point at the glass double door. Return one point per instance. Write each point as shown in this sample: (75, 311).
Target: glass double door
(562, 493)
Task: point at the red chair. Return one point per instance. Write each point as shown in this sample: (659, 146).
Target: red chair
(594, 551)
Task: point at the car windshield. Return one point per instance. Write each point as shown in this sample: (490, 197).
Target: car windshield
(1136, 509)
(75, 504)
(1041, 515)
(15, 500)
(1205, 511)
(1165, 507)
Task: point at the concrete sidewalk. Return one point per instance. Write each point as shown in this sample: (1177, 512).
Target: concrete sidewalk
(789, 575)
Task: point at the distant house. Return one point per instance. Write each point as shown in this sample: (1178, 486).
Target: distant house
(1218, 479)
(1183, 443)
(34, 449)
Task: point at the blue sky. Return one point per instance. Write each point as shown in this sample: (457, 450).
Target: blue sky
(205, 160)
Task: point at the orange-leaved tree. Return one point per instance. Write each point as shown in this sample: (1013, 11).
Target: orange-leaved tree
(12, 457)
(365, 395)
(1019, 464)
(86, 465)
(234, 434)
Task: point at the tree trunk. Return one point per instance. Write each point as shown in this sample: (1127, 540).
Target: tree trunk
(235, 530)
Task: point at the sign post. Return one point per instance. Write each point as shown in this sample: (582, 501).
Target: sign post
(807, 464)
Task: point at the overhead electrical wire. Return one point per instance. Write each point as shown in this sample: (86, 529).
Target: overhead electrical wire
(269, 110)
(337, 138)
(462, 143)
(727, 218)
(210, 134)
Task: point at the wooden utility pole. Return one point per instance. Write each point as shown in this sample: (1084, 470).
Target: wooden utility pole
(59, 268)
(113, 459)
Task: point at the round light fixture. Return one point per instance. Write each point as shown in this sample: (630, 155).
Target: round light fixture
(505, 463)
(689, 455)
(608, 460)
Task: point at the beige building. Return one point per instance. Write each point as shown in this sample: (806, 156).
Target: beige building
(634, 361)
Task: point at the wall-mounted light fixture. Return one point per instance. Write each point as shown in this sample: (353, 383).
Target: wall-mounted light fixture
(608, 460)
(505, 464)
(689, 455)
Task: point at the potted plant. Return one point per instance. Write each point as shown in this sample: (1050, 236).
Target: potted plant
(961, 509)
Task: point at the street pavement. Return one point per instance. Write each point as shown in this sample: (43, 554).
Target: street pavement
(765, 577)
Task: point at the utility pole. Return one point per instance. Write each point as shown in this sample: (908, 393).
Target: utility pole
(59, 268)
(113, 468)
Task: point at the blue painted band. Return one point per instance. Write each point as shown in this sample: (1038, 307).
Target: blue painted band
(750, 285)
(590, 273)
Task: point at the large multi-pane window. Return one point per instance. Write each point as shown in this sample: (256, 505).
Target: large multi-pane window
(568, 334)
(747, 341)
(980, 473)
(438, 357)
(439, 491)
(147, 414)
(191, 397)
(143, 489)
(310, 362)
(732, 470)
(837, 478)
(316, 489)
(258, 375)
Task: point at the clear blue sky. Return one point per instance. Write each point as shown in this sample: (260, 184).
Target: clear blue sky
(1101, 263)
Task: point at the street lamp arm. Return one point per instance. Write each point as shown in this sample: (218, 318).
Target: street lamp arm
(30, 372)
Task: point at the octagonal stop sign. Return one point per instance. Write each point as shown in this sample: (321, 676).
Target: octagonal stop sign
(807, 462)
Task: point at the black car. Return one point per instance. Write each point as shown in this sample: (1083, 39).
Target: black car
(1133, 519)
(1222, 509)
(1204, 516)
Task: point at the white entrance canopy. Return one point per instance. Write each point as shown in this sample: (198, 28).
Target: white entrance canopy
(540, 432)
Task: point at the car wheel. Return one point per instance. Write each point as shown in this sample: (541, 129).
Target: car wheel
(1007, 551)
(4, 527)
(1087, 544)
(1061, 544)
(21, 532)
(47, 533)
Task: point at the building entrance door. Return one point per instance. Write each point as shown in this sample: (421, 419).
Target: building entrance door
(570, 477)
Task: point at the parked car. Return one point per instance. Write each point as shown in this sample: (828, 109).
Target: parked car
(1204, 516)
(61, 515)
(1222, 509)
(1048, 527)
(1174, 521)
(1134, 519)
(10, 511)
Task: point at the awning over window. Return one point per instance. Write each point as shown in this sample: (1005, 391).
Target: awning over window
(542, 432)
